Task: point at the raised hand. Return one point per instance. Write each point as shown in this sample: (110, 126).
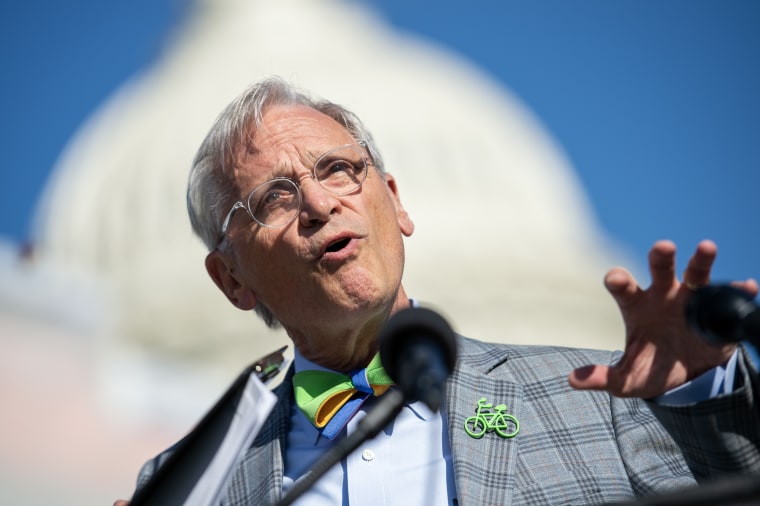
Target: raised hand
(661, 350)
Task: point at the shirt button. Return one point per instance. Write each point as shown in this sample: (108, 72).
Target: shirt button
(368, 455)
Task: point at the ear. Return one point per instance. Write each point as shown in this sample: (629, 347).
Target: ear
(405, 223)
(220, 268)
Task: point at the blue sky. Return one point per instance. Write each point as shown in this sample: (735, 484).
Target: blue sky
(657, 104)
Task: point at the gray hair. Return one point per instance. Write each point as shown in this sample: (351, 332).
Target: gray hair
(210, 189)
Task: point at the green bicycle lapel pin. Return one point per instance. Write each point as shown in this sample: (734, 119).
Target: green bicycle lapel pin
(486, 420)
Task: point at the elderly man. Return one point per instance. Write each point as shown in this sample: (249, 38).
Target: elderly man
(305, 226)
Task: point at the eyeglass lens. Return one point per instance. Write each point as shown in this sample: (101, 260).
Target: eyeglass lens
(340, 171)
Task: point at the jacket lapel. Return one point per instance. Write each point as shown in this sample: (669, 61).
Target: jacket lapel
(258, 479)
(483, 467)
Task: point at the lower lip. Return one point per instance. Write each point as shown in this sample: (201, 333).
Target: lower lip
(337, 256)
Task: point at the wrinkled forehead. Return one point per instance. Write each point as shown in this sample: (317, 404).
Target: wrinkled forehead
(286, 138)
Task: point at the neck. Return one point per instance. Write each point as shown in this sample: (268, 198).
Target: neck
(346, 349)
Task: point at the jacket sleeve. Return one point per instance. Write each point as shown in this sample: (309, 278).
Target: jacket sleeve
(652, 459)
(719, 435)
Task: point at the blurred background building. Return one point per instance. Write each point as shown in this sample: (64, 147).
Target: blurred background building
(114, 339)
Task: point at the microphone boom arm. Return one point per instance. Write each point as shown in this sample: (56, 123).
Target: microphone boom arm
(377, 418)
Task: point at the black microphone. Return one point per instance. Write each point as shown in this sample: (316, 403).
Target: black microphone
(724, 314)
(418, 349)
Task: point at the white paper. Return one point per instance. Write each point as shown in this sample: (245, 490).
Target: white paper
(253, 409)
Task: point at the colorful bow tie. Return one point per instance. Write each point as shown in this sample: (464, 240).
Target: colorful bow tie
(330, 399)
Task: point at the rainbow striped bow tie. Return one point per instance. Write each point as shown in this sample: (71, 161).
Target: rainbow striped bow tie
(329, 399)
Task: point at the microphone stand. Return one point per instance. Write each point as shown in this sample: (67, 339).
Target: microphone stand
(386, 409)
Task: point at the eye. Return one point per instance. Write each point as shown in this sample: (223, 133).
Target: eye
(271, 197)
(341, 170)
(342, 165)
(339, 167)
(275, 194)
(277, 191)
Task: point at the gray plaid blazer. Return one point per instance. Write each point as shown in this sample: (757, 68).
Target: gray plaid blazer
(573, 447)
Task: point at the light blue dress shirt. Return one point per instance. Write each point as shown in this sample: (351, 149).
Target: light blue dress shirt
(410, 461)
(407, 463)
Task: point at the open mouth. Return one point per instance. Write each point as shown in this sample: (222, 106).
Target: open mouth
(337, 245)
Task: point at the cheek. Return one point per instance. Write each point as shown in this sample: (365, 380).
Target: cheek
(388, 238)
(387, 222)
(268, 261)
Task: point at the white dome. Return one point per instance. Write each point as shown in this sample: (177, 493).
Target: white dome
(505, 244)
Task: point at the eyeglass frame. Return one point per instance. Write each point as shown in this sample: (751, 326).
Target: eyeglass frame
(245, 204)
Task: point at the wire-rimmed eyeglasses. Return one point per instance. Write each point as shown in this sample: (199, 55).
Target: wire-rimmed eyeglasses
(277, 202)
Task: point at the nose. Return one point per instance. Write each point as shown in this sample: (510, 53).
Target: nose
(317, 204)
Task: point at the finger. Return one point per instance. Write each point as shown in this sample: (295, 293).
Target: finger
(590, 377)
(697, 272)
(622, 286)
(749, 285)
(662, 264)
(121, 502)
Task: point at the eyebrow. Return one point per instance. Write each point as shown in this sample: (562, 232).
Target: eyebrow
(313, 155)
(308, 158)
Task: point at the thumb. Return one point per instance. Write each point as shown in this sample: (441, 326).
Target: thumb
(590, 377)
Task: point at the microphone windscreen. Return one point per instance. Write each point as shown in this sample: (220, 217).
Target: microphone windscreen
(717, 311)
(418, 349)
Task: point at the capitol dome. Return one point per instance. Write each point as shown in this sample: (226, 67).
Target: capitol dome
(505, 243)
